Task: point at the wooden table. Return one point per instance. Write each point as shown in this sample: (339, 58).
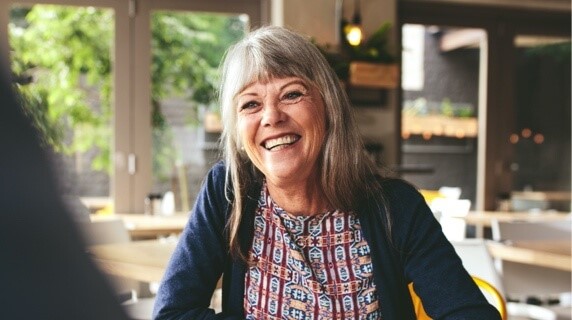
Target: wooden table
(142, 226)
(542, 195)
(545, 253)
(482, 219)
(144, 260)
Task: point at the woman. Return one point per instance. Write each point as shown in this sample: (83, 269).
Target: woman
(295, 219)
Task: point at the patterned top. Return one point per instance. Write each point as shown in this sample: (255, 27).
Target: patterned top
(316, 267)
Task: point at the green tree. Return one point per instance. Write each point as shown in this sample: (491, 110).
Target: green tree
(187, 49)
(63, 58)
(62, 55)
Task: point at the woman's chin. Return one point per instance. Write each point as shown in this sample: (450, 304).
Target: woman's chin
(288, 172)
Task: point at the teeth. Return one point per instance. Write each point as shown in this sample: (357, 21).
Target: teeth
(281, 142)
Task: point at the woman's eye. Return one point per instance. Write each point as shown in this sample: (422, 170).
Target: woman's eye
(292, 96)
(249, 105)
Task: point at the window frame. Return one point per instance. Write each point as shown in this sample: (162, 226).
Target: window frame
(131, 176)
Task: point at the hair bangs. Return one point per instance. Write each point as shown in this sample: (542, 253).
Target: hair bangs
(260, 66)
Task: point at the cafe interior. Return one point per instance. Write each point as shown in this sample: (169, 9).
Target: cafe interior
(468, 100)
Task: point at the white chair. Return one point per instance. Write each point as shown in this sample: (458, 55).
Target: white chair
(104, 232)
(450, 210)
(523, 279)
(478, 262)
(451, 213)
(114, 231)
(107, 232)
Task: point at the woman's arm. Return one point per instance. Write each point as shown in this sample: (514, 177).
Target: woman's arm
(431, 263)
(198, 260)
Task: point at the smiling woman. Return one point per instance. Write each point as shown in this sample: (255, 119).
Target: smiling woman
(295, 219)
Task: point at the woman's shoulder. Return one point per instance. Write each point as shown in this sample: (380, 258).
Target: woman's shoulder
(215, 180)
(218, 170)
(401, 199)
(406, 210)
(398, 189)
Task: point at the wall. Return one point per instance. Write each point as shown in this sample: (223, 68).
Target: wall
(559, 5)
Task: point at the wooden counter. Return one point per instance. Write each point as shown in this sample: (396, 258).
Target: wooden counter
(482, 219)
(139, 260)
(144, 260)
(545, 253)
(142, 226)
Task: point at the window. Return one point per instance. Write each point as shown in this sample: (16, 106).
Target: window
(111, 116)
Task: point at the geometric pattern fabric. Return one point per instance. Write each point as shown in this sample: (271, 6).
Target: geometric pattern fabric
(316, 267)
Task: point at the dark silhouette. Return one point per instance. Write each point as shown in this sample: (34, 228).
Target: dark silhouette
(44, 270)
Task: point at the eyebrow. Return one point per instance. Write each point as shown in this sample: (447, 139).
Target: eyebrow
(293, 81)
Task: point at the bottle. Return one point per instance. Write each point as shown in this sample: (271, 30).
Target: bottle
(153, 204)
(168, 203)
(504, 203)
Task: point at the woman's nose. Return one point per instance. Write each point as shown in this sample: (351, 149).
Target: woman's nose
(272, 114)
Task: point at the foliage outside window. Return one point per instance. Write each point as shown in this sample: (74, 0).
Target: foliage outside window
(61, 56)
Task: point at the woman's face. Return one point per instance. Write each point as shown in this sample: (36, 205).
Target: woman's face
(281, 124)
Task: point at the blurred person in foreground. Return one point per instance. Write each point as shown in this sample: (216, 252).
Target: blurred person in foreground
(45, 272)
(296, 220)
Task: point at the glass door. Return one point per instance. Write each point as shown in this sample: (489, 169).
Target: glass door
(177, 48)
(186, 49)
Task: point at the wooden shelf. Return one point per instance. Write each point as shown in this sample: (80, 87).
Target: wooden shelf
(437, 125)
(374, 75)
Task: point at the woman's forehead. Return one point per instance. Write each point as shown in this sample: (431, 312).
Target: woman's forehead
(272, 79)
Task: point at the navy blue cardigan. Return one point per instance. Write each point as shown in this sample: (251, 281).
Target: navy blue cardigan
(417, 251)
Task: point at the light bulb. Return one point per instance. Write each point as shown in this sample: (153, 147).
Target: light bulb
(353, 34)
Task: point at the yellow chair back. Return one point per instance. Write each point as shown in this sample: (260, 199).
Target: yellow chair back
(497, 297)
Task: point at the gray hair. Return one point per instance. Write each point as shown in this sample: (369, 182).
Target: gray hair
(276, 52)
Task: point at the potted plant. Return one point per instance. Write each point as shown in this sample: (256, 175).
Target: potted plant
(369, 64)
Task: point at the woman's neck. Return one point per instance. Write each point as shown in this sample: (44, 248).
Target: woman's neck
(300, 199)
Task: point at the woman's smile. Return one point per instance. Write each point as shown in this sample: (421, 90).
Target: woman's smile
(276, 144)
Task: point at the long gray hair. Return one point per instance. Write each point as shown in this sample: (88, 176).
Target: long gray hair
(276, 52)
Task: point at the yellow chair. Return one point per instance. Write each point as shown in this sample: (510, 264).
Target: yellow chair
(486, 287)
(430, 195)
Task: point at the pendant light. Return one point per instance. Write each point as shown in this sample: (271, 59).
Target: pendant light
(353, 30)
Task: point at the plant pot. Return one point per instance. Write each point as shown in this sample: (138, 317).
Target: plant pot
(373, 75)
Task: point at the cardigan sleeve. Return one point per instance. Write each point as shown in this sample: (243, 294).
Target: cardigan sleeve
(430, 261)
(198, 260)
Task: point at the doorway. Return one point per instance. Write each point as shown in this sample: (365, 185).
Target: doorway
(500, 103)
(440, 106)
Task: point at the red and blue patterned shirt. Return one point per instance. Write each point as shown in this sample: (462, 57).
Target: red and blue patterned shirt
(309, 267)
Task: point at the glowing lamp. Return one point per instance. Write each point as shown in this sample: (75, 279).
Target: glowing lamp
(354, 34)
(353, 31)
